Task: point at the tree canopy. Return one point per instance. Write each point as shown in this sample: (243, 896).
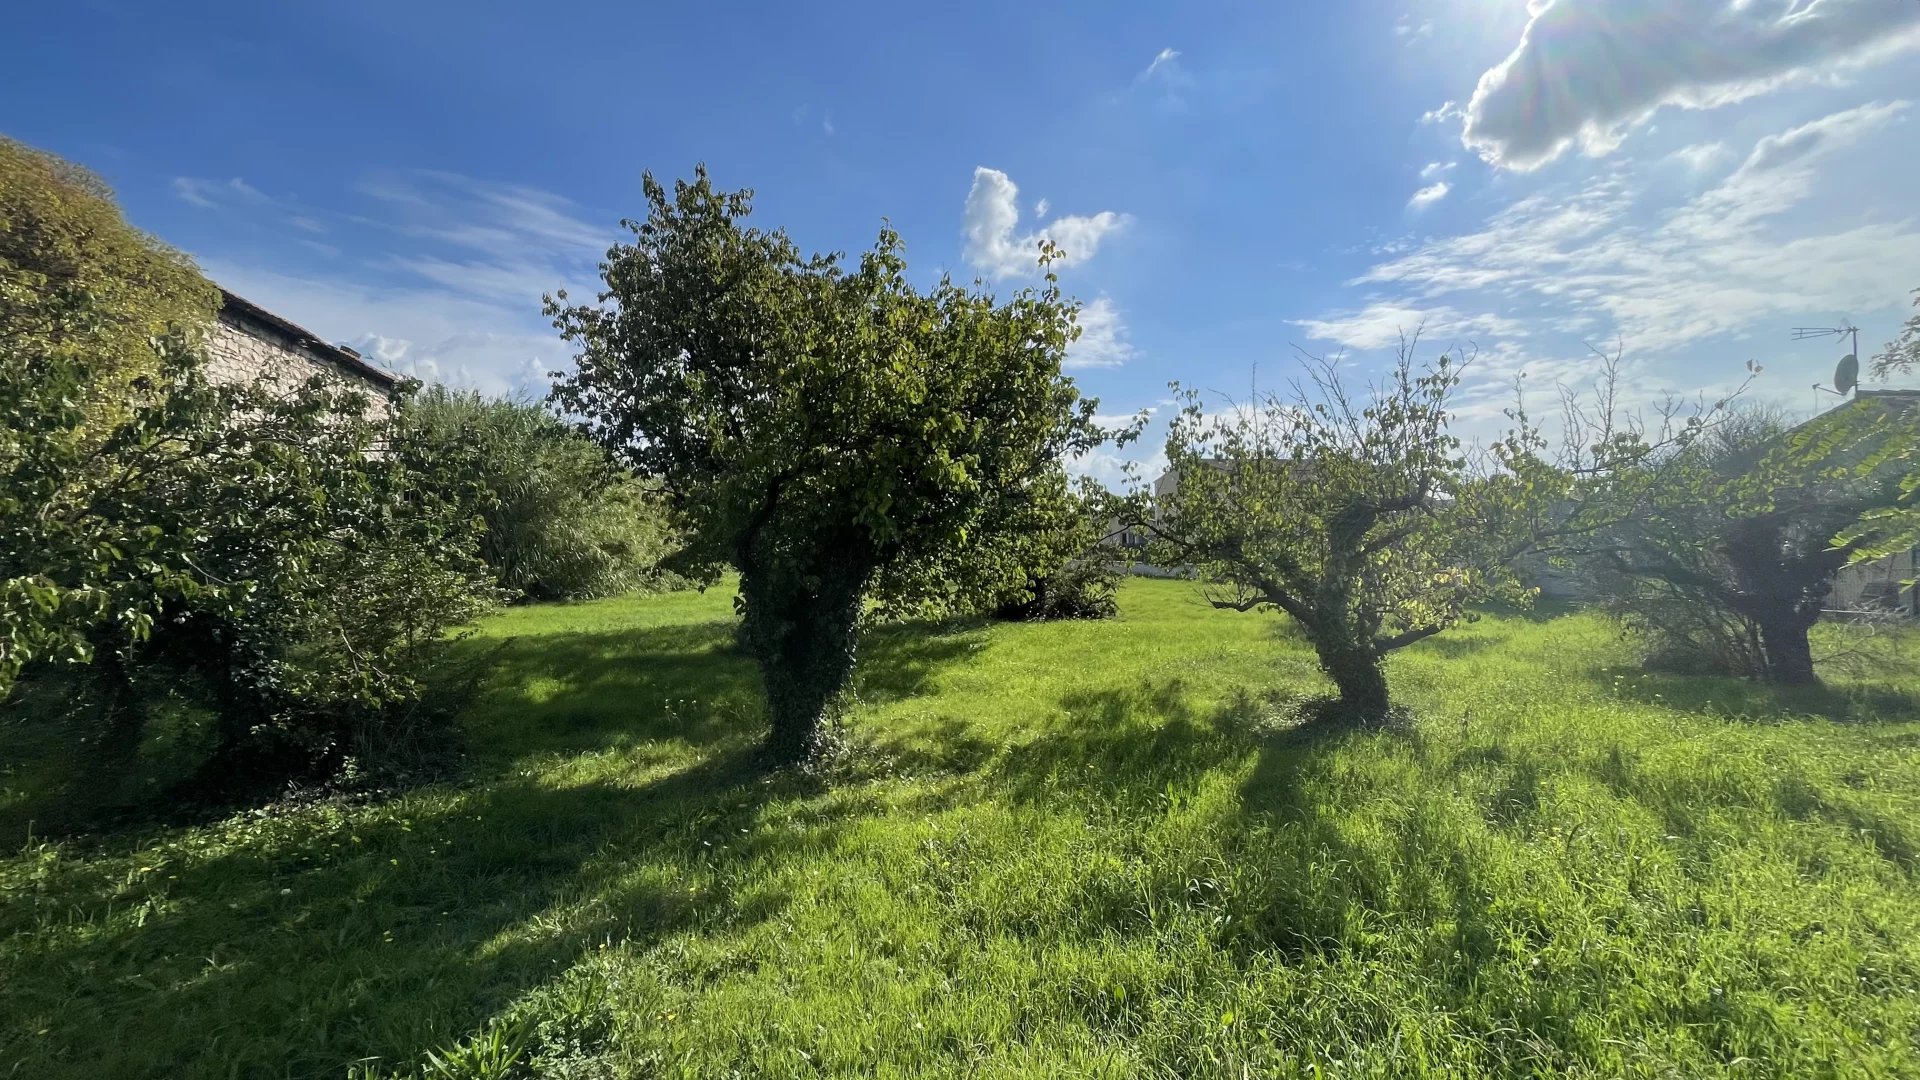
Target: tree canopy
(1358, 516)
(817, 424)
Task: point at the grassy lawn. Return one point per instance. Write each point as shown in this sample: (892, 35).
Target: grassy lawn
(1059, 850)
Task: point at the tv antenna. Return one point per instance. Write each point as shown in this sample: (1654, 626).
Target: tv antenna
(1846, 374)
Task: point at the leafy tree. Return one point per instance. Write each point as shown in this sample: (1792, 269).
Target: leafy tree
(1727, 561)
(563, 521)
(1359, 518)
(816, 424)
(1042, 561)
(1902, 354)
(80, 286)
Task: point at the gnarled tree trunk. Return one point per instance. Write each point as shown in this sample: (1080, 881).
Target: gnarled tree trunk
(1358, 674)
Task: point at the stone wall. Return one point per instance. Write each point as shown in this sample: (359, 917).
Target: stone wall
(244, 350)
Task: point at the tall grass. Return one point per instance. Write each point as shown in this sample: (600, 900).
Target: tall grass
(1079, 849)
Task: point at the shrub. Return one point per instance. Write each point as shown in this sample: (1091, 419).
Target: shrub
(563, 521)
(1082, 588)
(266, 555)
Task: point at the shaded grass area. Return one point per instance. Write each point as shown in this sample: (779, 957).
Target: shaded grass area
(1088, 849)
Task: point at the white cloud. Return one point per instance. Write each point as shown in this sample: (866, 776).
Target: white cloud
(1409, 31)
(1720, 262)
(993, 213)
(1163, 59)
(1436, 169)
(1587, 72)
(1103, 338)
(1429, 195)
(498, 219)
(1447, 110)
(1381, 323)
(1040, 208)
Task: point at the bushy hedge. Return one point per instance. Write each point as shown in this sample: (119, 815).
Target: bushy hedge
(280, 559)
(563, 522)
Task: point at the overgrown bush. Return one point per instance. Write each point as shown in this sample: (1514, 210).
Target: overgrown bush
(270, 557)
(1082, 588)
(563, 521)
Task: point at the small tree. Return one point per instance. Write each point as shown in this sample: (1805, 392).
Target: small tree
(1729, 556)
(815, 424)
(1359, 518)
(1902, 354)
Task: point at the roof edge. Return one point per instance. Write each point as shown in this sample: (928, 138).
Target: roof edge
(239, 307)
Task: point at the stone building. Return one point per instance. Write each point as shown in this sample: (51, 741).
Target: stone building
(250, 343)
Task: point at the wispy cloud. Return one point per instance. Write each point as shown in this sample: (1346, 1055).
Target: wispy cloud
(1429, 195)
(1164, 59)
(1590, 260)
(1382, 323)
(1103, 337)
(214, 194)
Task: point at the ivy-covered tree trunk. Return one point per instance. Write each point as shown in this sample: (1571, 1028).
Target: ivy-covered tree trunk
(803, 631)
(1357, 673)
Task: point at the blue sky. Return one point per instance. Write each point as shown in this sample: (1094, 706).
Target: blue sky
(1685, 178)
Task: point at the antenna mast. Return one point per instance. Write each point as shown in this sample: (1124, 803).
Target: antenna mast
(1846, 376)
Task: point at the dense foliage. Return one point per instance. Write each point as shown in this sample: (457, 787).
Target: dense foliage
(1041, 559)
(563, 522)
(268, 550)
(816, 424)
(80, 286)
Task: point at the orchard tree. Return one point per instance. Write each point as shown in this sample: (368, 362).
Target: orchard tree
(816, 424)
(1365, 519)
(1360, 518)
(1726, 562)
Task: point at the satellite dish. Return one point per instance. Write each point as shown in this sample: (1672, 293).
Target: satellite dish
(1846, 375)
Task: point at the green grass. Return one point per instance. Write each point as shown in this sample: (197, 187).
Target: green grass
(1057, 850)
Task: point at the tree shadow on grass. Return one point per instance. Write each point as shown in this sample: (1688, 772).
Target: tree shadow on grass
(690, 683)
(314, 937)
(1753, 700)
(1127, 748)
(322, 939)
